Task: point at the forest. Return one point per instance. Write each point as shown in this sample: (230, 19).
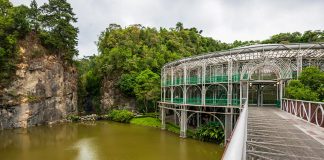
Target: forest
(132, 56)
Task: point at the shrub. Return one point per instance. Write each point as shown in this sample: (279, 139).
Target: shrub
(123, 116)
(73, 118)
(211, 132)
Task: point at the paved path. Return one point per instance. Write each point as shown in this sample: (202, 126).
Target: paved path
(275, 134)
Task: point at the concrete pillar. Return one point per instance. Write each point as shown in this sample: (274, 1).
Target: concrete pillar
(228, 124)
(183, 123)
(163, 118)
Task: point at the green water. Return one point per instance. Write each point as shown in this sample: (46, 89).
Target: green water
(101, 141)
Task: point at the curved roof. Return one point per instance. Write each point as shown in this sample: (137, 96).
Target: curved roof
(313, 50)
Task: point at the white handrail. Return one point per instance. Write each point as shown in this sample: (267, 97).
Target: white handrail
(236, 149)
(312, 112)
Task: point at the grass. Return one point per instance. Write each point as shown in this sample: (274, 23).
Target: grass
(146, 121)
(155, 122)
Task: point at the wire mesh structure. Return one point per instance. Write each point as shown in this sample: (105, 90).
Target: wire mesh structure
(218, 83)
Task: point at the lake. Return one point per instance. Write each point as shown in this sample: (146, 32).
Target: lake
(101, 140)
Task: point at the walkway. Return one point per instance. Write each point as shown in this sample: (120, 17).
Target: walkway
(275, 134)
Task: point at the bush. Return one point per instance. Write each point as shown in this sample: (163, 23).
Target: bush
(297, 90)
(73, 118)
(211, 132)
(123, 116)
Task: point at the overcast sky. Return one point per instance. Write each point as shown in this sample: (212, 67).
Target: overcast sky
(225, 20)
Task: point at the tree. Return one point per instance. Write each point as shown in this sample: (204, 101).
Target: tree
(297, 90)
(34, 14)
(13, 26)
(312, 77)
(147, 87)
(179, 26)
(60, 35)
(126, 83)
(310, 85)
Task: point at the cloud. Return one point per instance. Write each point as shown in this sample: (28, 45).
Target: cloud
(225, 20)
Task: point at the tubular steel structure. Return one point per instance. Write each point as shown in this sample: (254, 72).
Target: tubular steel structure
(218, 84)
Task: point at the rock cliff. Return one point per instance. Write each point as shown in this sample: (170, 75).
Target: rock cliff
(44, 89)
(112, 97)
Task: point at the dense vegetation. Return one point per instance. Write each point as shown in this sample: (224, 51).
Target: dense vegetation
(13, 26)
(309, 86)
(123, 116)
(133, 56)
(210, 132)
(52, 23)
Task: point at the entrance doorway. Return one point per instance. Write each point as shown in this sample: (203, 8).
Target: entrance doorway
(263, 93)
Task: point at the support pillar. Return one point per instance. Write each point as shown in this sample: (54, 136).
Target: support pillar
(163, 118)
(281, 92)
(229, 109)
(175, 117)
(172, 89)
(299, 65)
(228, 124)
(183, 123)
(198, 119)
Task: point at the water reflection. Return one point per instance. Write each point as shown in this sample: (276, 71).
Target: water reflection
(87, 149)
(101, 140)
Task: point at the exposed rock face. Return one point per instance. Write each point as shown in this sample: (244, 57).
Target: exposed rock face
(44, 90)
(112, 97)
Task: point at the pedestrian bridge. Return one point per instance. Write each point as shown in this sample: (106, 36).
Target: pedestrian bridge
(292, 132)
(243, 90)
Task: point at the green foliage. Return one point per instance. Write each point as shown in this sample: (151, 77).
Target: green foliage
(89, 82)
(152, 114)
(53, 24)
(123, 116)
(58, 32)
(297, 37)
(310, 85)
(126, 83)
(172, 128)
(33, 99)
(147, 87)
(34, 15)
(297, 90)
(146, 121)
(211, 132)
(73, 118)
(13, 26)
(312, 77)
(135, 54)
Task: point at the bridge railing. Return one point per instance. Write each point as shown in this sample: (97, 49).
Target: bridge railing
(312, 112)
(236, 149)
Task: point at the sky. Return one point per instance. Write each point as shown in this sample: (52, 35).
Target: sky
(225, 20)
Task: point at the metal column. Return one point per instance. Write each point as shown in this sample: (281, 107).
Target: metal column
(299, 65)
(172, 85)
(229, 110)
